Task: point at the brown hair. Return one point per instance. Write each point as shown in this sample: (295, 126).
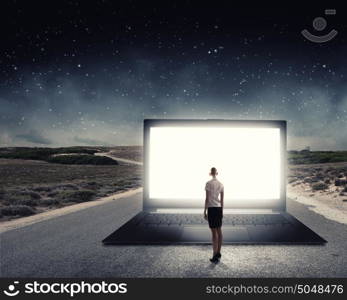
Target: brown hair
(213, 171)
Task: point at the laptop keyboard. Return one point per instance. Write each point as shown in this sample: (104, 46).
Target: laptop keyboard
(197, 219)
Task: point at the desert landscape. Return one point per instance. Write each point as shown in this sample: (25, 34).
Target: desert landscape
(325, 183)
(319, 175)
(35, 180)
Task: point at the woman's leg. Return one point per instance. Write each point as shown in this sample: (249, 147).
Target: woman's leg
(220, 239)
(214, 240)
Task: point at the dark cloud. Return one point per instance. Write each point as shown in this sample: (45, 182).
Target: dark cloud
(34, 137)
(90, 142)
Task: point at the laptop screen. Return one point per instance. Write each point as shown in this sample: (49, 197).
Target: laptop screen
(248, 161)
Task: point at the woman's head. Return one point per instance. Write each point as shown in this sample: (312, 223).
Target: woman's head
(213, 171)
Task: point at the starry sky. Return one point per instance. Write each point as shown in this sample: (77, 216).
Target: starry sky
(89, 72)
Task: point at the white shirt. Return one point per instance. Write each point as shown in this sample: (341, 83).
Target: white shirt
(214, 188)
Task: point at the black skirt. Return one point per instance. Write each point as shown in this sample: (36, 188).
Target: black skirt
(214, 217)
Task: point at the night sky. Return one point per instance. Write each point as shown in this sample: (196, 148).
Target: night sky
(89, 72)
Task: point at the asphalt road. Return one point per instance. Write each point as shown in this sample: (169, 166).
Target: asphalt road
(70, 246)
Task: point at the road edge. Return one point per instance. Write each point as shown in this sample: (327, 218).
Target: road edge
(25, 221)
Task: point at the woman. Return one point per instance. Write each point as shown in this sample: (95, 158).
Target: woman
(214, 213)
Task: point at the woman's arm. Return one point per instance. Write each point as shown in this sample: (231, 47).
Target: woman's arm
(205, 210)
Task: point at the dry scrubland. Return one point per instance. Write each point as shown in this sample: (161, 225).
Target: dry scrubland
(33, 186)
(323, 182)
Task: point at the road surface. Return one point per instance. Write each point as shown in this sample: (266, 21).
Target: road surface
(70, 246)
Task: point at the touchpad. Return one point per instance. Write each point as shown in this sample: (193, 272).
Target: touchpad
(235, 234)
(196, 234)
(203, 234)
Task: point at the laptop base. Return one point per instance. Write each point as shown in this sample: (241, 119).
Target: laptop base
(291, 232)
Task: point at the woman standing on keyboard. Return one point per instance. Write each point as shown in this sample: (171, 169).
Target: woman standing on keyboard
(214, 212)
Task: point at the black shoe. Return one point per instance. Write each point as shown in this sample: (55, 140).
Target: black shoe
(218, 255)
(214, 259)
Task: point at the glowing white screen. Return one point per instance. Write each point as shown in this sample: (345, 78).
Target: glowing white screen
(247, 160)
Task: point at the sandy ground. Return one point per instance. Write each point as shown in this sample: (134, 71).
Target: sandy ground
(330, 200)
(320, 207)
